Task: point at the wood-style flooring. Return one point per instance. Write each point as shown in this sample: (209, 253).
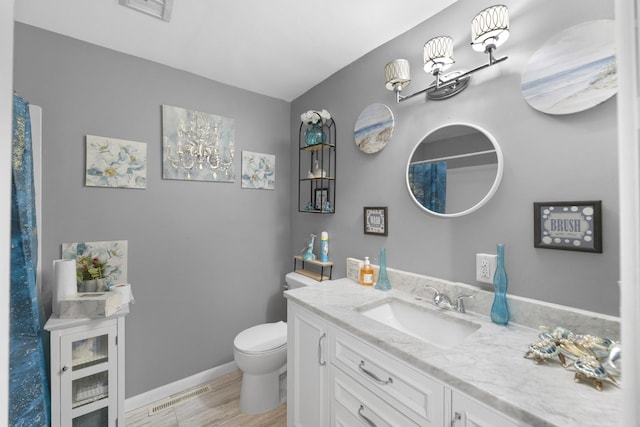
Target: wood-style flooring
(219, 408)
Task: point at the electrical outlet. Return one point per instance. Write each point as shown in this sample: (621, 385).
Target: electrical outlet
(485, 267)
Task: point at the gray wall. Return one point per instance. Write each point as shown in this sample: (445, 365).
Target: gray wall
(547, 158)
(206, 260)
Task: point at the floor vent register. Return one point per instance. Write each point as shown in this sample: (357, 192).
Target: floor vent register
(178, 399)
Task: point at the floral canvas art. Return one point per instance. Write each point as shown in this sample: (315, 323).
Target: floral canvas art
(258, 170)
(197, 146)
(116, 163)
(98, 264)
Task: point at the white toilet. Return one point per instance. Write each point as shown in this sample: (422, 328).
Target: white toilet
(261, 354)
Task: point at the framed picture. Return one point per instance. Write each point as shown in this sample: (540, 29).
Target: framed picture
(376, 221)
(571, 226)
(258, 170)
(320, 197)
(115, 163)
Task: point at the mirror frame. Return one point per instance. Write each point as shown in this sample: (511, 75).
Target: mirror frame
(490, 193)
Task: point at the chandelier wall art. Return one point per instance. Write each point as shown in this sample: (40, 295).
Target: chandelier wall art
(197, 146)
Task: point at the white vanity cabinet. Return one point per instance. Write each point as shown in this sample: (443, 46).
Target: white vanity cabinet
(336, 379)
(352, 404)
(307, 369)
(468, 412)
(405, 396)
(87, 372)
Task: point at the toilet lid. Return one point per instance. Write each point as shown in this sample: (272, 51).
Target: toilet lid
(260, 338)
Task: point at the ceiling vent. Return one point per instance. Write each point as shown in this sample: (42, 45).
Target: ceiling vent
(158, 8)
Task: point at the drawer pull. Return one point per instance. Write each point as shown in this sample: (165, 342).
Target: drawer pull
(366, 419)
(457, 417)
(320, 361)
(372, 375)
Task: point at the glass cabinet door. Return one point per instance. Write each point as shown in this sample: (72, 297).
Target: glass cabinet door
(88, 377)
(97, 418)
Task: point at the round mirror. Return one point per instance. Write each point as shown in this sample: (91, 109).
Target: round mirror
(454, 170)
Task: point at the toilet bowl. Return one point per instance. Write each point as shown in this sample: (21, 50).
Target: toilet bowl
(261, 354)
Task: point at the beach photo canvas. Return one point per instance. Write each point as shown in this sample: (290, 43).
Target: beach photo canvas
(574, 70)
(373, 128)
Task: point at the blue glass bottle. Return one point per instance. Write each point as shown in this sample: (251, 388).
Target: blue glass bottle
(383, 283)
(500, 309)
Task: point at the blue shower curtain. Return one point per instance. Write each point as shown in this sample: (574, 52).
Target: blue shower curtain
(29, 403)
(429, 185)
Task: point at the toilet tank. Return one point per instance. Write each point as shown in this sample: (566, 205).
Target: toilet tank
(297, 280)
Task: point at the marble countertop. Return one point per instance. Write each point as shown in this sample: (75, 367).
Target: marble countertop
(55, 323)
(488, 366)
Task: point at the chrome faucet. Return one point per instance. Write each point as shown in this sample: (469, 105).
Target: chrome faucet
(442, 300)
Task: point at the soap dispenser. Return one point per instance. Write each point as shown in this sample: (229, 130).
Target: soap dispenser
(366, 273)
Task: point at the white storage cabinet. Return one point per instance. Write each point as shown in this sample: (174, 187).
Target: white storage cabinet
(87, 371)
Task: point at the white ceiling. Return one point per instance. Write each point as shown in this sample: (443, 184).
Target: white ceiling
(279, 48)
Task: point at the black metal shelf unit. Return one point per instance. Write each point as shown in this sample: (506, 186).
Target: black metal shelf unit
(317, 169)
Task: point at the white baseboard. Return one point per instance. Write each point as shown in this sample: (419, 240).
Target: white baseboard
(167, 390)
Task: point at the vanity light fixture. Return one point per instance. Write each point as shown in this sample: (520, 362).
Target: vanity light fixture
(489, 29)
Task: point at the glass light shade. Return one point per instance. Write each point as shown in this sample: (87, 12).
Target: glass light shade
(490, 28)
(438, 54)
(397, 74)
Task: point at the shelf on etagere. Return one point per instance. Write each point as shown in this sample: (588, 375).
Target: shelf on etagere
(317, 170)
(317, 211)
(326, 178)
(317, 147)
(319, 276)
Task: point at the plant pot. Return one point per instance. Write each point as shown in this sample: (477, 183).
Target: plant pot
(95, 285)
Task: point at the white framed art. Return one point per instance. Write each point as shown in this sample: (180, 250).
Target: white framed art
(115, 163)
(258, 170)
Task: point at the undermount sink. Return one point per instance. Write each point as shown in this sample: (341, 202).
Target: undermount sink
(432, 326)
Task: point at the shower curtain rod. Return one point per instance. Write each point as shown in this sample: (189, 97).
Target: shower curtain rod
(457, 156)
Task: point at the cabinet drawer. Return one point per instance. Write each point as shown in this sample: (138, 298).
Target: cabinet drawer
(353, 405)
(400, 385)
(468, 412)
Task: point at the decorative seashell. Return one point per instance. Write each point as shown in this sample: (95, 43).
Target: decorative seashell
(590, 367)
(562, 333)
(570, 350)
(546, 336)
(544, 349)
(598, 346)
(614, 359)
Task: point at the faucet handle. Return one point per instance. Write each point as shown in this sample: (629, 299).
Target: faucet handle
(436, 292)
(460, 303)
(440, 299)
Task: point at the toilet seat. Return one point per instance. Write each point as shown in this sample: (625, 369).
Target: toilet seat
(262, 338)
